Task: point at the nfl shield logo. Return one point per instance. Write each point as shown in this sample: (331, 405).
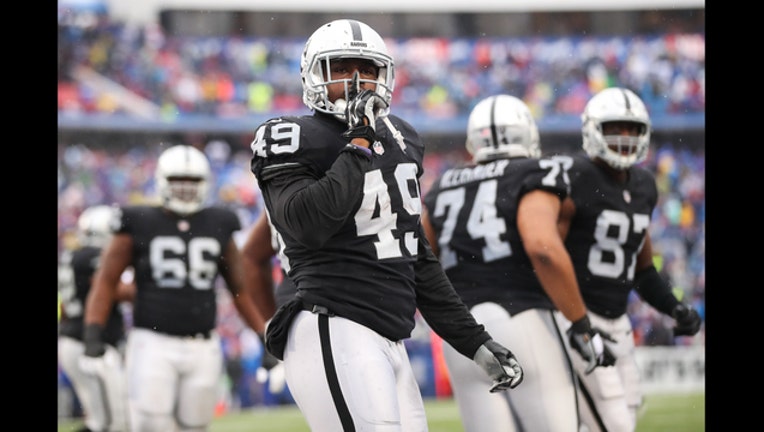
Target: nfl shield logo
(626, 196)
(378, 149)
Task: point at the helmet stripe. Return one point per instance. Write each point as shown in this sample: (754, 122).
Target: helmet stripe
(494, 134)
(626, 101)
(356, 29)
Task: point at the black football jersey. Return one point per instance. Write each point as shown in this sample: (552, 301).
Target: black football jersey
(362, 266)
(608, 231)
(74, 280)
(285, 290)
(473, 210)
(177, 261)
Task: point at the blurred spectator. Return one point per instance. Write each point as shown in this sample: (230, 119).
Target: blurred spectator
(437, 77)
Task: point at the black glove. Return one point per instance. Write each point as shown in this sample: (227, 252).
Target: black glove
(500, 364)
(687, 320)
(269, 360)
(588, 342)
(92, 337)
(361, 112)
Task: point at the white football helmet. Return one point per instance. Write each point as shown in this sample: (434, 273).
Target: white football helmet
(183, 179)
(95, 225)
(502, 127)
(615, 104)
(344, 38)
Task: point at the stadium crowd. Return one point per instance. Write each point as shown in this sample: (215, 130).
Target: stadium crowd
(435, 77)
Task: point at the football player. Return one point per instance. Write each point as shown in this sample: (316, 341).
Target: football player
(341, 190)
(493, 224)
(173, 354)
(99, 385)
(260, 247)
(607, 236)
(257, 254)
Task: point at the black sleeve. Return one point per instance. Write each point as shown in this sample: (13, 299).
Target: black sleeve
(313, 209)
(655, 290)
(442, 307)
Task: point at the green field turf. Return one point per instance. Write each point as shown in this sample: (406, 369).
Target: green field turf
(665, 413)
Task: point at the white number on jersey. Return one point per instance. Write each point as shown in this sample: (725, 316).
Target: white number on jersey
(67, 289)
(375, 193)
(620, 220)
(483, 222)
(288, 132)
(169, 269)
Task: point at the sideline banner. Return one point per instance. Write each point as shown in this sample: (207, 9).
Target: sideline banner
(672, 369)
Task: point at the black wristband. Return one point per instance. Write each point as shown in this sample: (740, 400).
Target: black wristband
(365, 132)
(655, 290)
(92, 338)
(93, 333)
(680, 311)
(582, 326)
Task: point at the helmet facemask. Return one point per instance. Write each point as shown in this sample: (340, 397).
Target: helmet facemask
(625, 150)
(185, 195)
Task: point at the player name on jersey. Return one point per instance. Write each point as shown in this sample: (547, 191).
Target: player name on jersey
(457, 176)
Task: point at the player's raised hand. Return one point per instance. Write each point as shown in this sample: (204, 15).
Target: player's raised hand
(588, 342)
(361, 111)
(500, 364)
(354, 88)
(687, 320)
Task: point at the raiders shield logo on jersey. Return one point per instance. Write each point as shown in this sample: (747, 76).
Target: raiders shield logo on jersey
(183, 225)
(626, 196)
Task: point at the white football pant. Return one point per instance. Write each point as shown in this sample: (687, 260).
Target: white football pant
(544, 401)
(173, 382)
(376, 383)
(99, 384)
(615, 390)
